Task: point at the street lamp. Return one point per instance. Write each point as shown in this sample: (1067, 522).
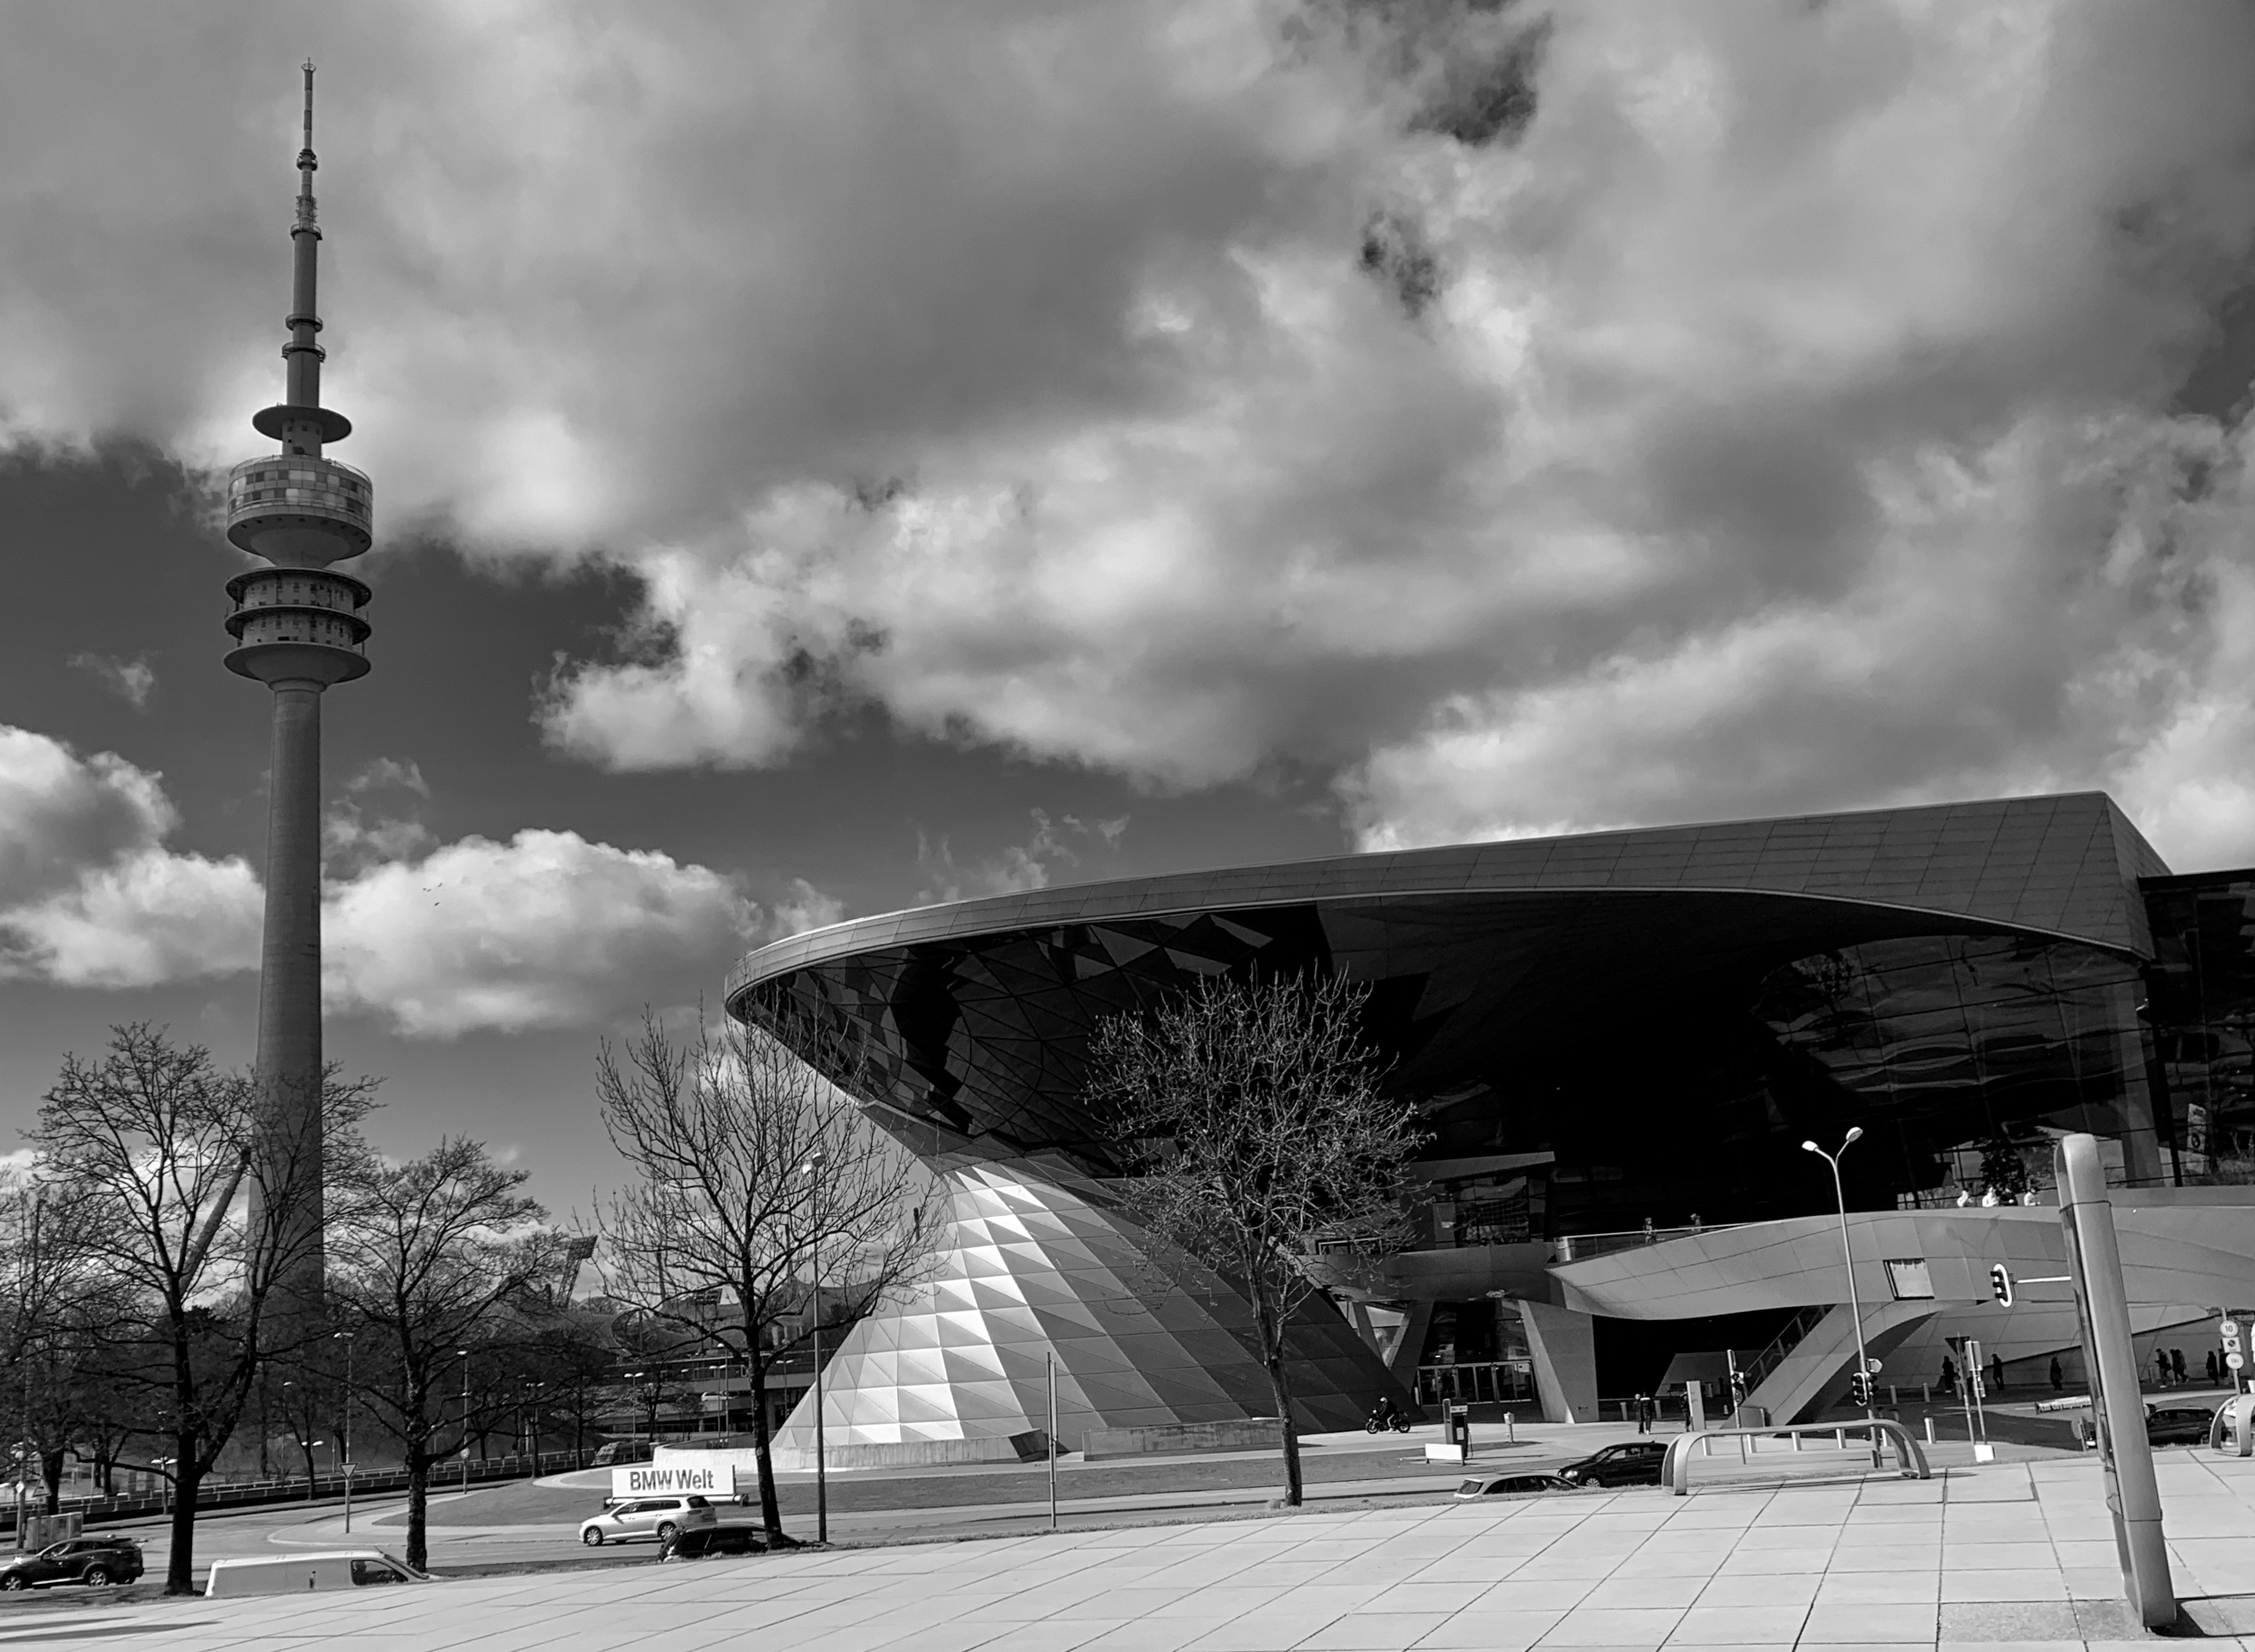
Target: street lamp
(309, 1447)
(33, 1206)
(346, 1337)
(813, 1166)
(1848, 1259)
(465, 1353)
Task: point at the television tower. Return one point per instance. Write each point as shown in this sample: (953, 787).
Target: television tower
(297, 628)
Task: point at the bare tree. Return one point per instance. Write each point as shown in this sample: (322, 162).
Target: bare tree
(1253, 1117)
(60, 1302)
(428, 1258)
(190, 1210)
(749, 1167)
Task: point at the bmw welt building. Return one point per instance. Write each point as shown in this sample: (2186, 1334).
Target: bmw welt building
(1619, 1042)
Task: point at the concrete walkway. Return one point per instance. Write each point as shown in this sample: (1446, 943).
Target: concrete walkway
(2008, 1555)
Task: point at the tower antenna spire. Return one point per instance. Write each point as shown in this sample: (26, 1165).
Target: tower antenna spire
(306, 165)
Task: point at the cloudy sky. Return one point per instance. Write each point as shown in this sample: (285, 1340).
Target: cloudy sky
(832, 454)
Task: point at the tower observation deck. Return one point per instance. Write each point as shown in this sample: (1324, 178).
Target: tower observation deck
(298, 628)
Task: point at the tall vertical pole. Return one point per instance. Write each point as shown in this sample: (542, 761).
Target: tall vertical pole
(2117, 1407)
(821, 1463)
(465, 1492)
(1051, 1357)
(346, 1338)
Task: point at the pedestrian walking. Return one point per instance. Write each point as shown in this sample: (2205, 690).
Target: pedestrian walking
(2161, 1364)
(1643, 1414)
(1996, 1373)
(2177, 1365)
(2058, 1376)
(1949, 1375)
(2212, 1378)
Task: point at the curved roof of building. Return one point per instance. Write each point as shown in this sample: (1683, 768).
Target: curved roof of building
(2065, 866)
(976, 1014)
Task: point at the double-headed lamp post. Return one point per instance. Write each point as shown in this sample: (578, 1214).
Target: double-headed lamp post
(346, 1337)
(813, 1166)
(1848, 1260)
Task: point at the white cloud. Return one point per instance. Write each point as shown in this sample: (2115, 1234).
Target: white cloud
(1030, 865)
(88, 895)
(546, 930)
(802, 908)
(1786, 417)
(132, 681)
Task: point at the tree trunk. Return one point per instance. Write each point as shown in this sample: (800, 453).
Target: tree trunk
(1271, 1324)
(770, 1511)
(418, 1507)
(307, 1447)
(187, 1480)
(51, 1471)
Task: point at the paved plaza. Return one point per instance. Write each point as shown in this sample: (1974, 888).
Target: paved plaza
(2010, 1555)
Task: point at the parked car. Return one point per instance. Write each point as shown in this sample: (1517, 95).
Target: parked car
(294, 1574)
(717, 1540)
(2178, 1425)
(658, 1517)
(611, 1451)
(1514, 1485)
(1632, 1463)
(95, 1561)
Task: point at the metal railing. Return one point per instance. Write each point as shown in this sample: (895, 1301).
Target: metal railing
(1782, 1345)
(1582, 1247)
(1675, 1467)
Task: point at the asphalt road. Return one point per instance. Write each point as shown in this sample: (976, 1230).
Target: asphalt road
(535, 1523)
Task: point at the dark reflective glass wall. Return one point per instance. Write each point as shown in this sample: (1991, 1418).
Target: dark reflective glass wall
(1588, 1061)
(2202, 1011)
(1968, 1047)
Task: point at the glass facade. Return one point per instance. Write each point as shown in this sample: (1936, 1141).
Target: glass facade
(1629, 1033)
(2201, 1008)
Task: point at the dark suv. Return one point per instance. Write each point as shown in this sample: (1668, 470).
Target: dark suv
(98, 1561)
(1632, 1463)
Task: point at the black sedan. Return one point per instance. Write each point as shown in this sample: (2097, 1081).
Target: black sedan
(1632, 1463)
(96, 1561)
(1514, 1485)
(2178, 1426)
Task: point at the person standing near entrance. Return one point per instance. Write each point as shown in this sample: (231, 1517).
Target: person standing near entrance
(1643, 1414)
(2058, 1376)
(1949, 1375)
(2211, 1367)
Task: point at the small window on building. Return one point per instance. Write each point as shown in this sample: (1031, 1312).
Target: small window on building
(1910, 1279)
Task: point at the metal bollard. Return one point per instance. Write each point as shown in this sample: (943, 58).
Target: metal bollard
(1929, 1427)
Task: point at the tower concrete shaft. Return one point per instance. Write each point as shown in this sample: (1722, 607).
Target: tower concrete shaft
(297, 628)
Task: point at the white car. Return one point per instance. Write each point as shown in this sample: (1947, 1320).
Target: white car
(658, 1517)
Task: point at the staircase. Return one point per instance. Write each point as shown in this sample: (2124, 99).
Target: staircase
(1813, 1360)
(1803, 1321)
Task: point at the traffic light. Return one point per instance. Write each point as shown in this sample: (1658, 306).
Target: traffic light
(1859, 1388)
(2000, 1285)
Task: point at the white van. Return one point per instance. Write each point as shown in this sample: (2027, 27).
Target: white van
(294, 1574)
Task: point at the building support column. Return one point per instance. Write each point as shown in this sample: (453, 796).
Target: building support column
(1564, 1346)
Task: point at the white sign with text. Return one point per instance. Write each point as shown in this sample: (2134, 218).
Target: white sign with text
(674, 1479)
